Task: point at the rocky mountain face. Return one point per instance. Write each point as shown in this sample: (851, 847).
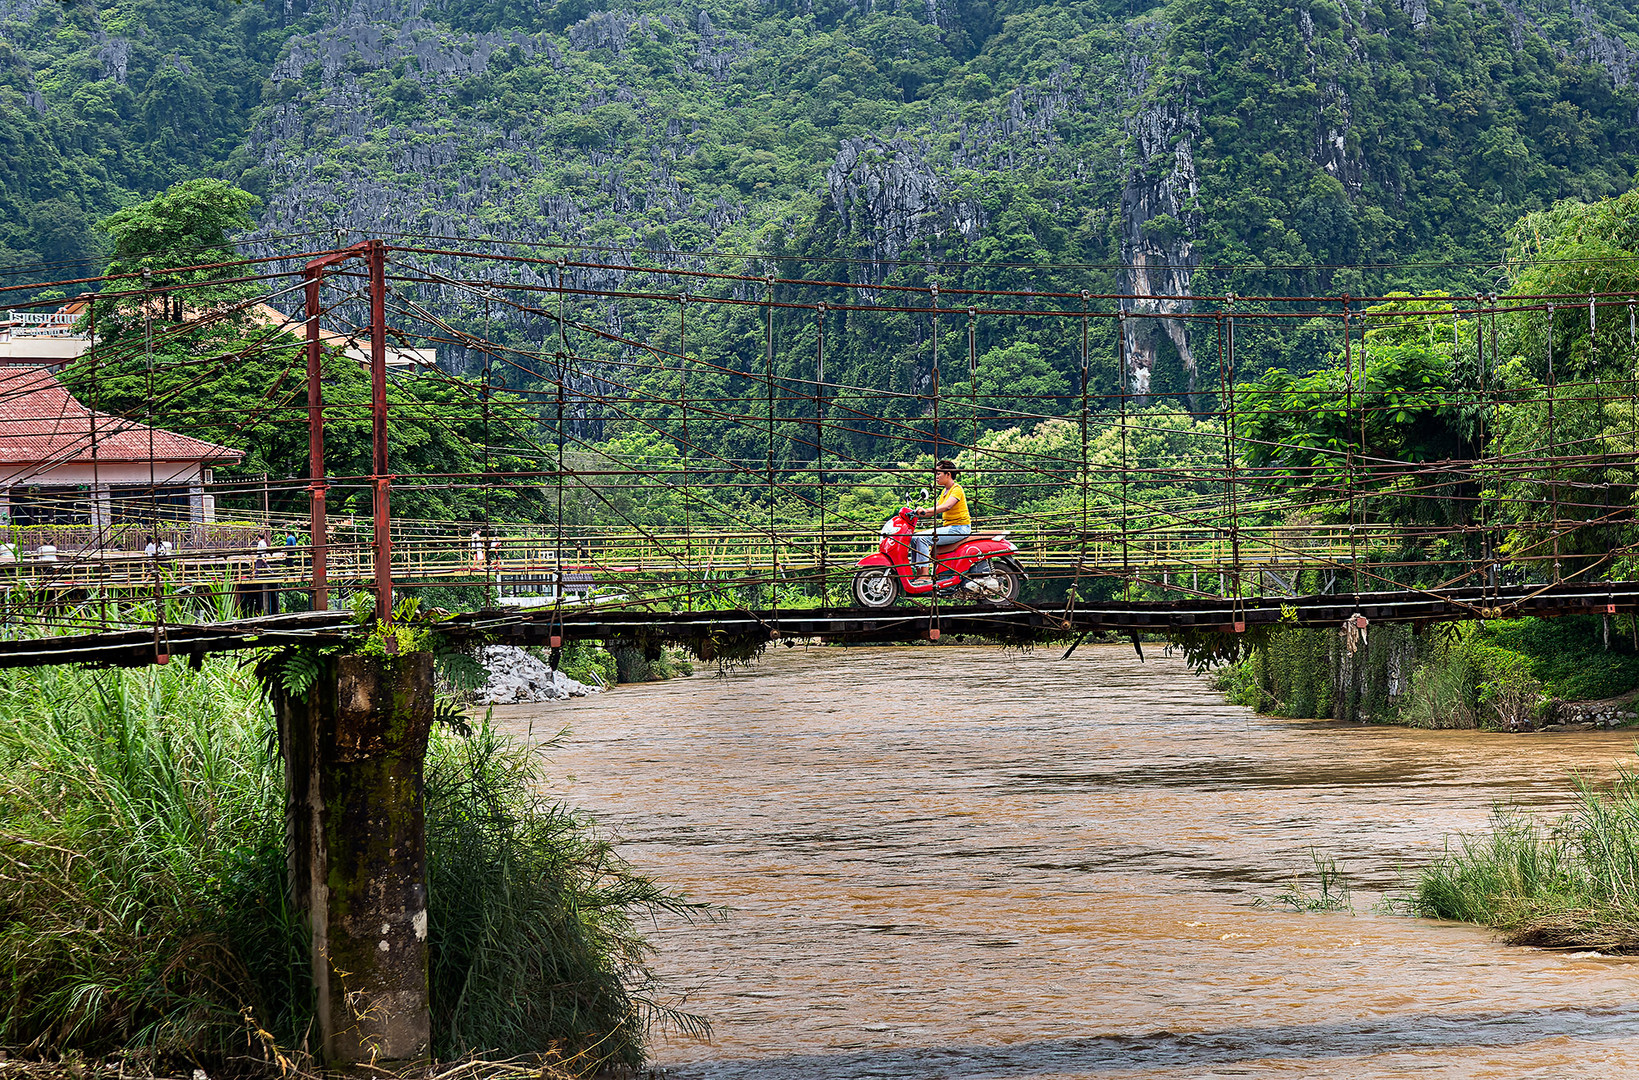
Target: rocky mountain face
(1199, 146)
(1159, 220)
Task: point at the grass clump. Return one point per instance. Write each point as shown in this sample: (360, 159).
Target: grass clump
(533, 917)
(1572, 882)
(1331, 891)
(143, 891)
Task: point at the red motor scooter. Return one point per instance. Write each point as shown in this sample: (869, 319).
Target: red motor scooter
(980, 566)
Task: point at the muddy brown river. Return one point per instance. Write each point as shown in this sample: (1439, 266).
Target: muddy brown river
(964, 862)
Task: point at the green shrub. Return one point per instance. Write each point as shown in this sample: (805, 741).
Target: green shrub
(1442, 691)
(1239, 682)
(1462, 682)
(586, 663)
(1569, 655)
(1289, 674)
(1504, 687)
(639, 664)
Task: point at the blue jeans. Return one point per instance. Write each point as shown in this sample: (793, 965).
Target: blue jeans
(923, 540)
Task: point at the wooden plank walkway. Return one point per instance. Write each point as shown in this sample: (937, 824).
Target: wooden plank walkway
(539, 626)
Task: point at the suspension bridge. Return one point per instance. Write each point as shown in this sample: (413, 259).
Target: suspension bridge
(601, 449)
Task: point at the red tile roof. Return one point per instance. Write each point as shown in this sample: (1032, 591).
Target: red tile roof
(42, 423)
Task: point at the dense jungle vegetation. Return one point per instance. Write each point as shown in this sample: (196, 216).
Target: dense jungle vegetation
(1319, 133)
(1253, 146)
(1367, 147)
(1256, 146)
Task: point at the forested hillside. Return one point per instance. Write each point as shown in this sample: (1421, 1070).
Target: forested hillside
(1249, 145)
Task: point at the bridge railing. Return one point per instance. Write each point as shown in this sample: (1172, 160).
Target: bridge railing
(537, 559)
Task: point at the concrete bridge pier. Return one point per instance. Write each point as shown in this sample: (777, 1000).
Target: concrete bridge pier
(354, 746)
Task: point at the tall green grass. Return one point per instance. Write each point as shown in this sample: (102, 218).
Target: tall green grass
(141, 862)
(142, 884)
(1568, 882)
(534, 918)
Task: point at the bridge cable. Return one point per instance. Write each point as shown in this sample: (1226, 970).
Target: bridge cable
(1237, 608)
(486, 543)
(563, 360)
(683, 398)
(1553, 444)
(973, 391)
(1348, 409)
(1493, 546)
(101, 509)
(1485, 319)
(773, 542)
(1126, 386)
(933, 541)
(1086, 373)
(153, 482)
(819, 449)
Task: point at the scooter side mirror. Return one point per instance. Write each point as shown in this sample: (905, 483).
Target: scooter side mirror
(922, 494)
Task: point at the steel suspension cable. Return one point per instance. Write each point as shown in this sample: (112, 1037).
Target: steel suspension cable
(683, 394)
(819, 449)
(1553, 443)
(1126, 388)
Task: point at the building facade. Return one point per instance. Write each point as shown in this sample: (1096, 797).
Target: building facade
(64, 464)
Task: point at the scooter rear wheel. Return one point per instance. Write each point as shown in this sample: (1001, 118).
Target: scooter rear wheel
(1010, 586)
(877, 587)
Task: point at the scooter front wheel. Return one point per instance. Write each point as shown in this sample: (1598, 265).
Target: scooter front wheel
(877, 587)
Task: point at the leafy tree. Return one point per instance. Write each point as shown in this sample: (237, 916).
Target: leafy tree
(1564, 435)
(1015, 383)
(1575, 250)
(187, 225)
(1374, 425)
(205, 361)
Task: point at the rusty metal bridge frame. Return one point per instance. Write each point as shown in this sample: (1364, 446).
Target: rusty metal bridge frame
(766, 547)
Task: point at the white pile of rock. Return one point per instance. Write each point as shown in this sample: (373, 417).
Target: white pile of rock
(1598, 713)
(515, 676)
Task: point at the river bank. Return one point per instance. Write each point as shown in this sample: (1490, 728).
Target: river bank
(968, 862)
(1502, 675)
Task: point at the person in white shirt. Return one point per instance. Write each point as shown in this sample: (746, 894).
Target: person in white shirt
(46, 553)
(151, 548)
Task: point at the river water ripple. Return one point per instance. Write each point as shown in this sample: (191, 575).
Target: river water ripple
(964, 862)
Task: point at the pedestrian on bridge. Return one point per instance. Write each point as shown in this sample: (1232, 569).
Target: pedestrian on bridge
(954, 522)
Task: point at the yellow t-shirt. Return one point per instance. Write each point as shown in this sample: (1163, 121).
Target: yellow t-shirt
(956, 515)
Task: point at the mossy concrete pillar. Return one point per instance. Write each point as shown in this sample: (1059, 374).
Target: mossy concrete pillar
(354, 746)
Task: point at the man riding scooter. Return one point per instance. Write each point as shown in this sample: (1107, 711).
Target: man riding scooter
(976, 566)
(954, 521)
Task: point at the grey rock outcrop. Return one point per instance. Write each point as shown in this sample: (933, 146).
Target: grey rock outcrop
(516, 676)
(887, 193)
(1159, 219)
(115, 55)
